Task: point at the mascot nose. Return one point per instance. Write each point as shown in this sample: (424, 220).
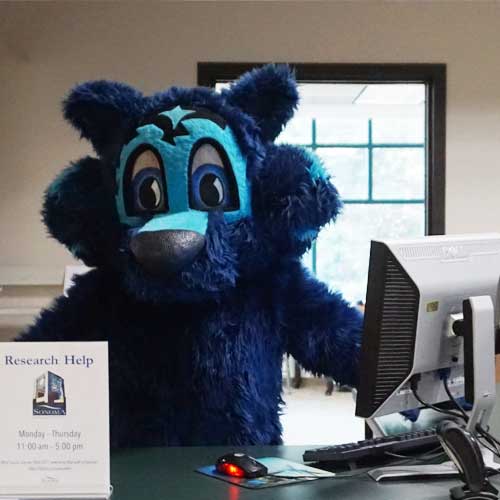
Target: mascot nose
(166, 251)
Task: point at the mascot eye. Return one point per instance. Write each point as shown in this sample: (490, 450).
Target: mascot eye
(212, 184)
(144, 189)
(209, 187)
(147, 188)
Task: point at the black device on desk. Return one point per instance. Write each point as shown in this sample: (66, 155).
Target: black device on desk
(463, 448)
(381, 447)
(413, 354)
(240, 465)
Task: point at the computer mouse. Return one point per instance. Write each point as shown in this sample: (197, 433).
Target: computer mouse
(240, 465)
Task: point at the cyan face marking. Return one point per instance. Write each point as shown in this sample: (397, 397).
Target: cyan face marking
(192, 221)
(177, 114)
(316, 170)
(176, 164)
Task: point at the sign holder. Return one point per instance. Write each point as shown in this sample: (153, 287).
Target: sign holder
(54, 421)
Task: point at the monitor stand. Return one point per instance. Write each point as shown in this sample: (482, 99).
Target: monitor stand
(479, 359)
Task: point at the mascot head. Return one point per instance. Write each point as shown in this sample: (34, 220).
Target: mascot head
(187, 193)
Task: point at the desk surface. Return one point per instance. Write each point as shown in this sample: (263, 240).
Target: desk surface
(169, 473)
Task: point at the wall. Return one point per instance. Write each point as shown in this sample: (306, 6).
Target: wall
(47, 47)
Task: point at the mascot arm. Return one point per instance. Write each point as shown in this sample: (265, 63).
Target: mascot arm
(75, 317)
(324, 331)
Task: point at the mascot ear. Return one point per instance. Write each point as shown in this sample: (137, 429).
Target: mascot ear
(293, 198)
(268, 94)
(79, 211)
(101, 109)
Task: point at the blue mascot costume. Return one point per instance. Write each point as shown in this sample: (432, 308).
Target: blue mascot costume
(195, 223)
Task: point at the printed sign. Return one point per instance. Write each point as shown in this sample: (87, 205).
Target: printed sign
(54, 423)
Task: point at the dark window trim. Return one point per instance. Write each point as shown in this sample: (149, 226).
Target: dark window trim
(433, 75)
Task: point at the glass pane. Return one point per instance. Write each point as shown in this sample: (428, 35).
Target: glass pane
(399, 173)
(298, 130)
(397, 112)
(222, 85)
(405, 127)
(348, 168)
(343, 249)
(392, 94)
(341, 130)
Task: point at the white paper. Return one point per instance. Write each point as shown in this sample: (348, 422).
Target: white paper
(54, 419)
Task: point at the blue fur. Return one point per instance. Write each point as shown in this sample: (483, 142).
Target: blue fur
(195, 358)
(269, 95)
(307, 235)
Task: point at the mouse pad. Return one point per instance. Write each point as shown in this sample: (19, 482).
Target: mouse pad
(280, 473)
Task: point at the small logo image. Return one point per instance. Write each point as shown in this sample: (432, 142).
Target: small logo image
(432, 307)
(50, 395)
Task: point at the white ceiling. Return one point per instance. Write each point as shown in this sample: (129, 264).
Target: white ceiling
(360, 94)
(388, 94)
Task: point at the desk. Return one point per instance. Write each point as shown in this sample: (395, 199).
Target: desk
(168, 474)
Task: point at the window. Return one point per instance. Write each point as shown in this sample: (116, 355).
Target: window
(379, 130)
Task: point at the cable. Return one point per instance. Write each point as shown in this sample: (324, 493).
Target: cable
(278, 476)
(486, 433)
(428, 455)
(490, 439)
(494, 450)
(483, 433)
(435, 452)
(453, 400)
(431, 454)
(418, 458)
(432, 407)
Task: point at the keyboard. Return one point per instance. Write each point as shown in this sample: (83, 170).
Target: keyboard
(404, 444)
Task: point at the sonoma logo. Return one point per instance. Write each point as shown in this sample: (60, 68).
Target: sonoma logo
(48, 411)
(50, 395)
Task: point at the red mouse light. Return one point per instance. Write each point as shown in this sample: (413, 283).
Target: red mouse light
(231, 470)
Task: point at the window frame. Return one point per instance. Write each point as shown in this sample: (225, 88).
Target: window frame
(432, 75)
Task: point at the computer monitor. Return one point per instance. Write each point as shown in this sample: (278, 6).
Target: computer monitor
(415, 329)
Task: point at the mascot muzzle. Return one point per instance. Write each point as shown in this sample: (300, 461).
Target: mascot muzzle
(166, 252)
